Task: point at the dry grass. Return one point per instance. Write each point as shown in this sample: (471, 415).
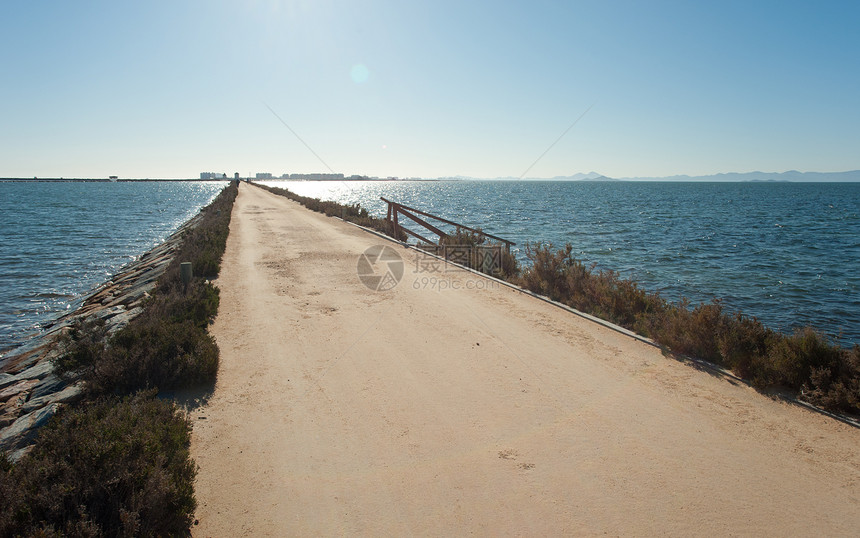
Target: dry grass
(806, 362)
(118, 463)
(167, 346)
(106, 468)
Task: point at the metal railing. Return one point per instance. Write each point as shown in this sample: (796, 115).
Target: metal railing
(395, 210)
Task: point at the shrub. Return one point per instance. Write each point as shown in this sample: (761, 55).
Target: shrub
(836, 386)
(695, 332)
(804, 361)
(510, 268)
(204, 244)
(84, 344)
(619, 300)
(167, 346)
(472, 247)
(152, 354)
(548, 274)
(792, 359)
(197, 304)
(111, 467)
(743, 345)
(563, 278)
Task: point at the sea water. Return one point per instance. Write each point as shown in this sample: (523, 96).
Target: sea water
(59, 240)
(786, 253)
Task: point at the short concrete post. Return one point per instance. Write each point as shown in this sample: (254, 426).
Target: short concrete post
(185, 273)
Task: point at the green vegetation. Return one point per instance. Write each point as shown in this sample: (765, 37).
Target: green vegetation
(472, 243)
(115, 467)
(117, 463)
(167, 346)
(155, 350)
(805, 362)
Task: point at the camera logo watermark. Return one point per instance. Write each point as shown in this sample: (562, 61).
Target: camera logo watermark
(484, 258)
(439, 268)
(380, 268)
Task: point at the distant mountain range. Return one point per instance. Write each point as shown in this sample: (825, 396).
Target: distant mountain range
(591, 176)
(791, 175)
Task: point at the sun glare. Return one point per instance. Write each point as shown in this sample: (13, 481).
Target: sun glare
(359, 73)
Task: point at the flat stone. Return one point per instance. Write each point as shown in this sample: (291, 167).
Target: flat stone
(6, 380)
(58, 326)
(119, 322)
(133, 294)
(7, 419)
(17, 388)
(138, 303)
(16, 365)
(123, 278)
(23, 430)
(158, 267)
(86, 311)
(69, 394)
(16, 455)
(14, 407)
(107, 313)
(25, 355)
(147, 280)
(37, 371)
(101, 294)
(49, 385)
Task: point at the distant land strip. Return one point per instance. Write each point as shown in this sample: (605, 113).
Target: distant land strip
(97, 180)
(850, 176)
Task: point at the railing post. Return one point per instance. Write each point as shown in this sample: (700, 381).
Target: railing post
(394, 210)
(185, 274)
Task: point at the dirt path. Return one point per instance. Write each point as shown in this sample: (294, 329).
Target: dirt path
(345, 411)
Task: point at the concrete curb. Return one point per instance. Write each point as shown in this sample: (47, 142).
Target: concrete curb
(698, 362)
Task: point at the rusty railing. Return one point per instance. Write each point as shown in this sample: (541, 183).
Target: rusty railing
(395, 210)
(485, 258)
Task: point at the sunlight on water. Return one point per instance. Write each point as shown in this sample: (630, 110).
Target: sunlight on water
(60, 240)
(786, 253)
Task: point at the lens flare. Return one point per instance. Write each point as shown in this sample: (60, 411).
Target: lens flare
(359, 73)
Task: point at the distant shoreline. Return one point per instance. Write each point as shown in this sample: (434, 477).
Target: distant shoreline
(215, 180)
(95, 180)
(456, 179)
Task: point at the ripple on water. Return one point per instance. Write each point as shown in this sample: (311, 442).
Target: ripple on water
(699, 240)
(63, 239)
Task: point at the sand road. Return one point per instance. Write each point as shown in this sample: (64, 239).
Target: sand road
(450, 405)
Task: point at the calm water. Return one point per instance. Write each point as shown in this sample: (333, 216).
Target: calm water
(60, 240)
(787, 253)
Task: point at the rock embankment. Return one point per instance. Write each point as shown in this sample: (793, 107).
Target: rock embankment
(30, 391)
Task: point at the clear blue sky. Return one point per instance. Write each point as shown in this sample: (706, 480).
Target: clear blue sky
(437, 88)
